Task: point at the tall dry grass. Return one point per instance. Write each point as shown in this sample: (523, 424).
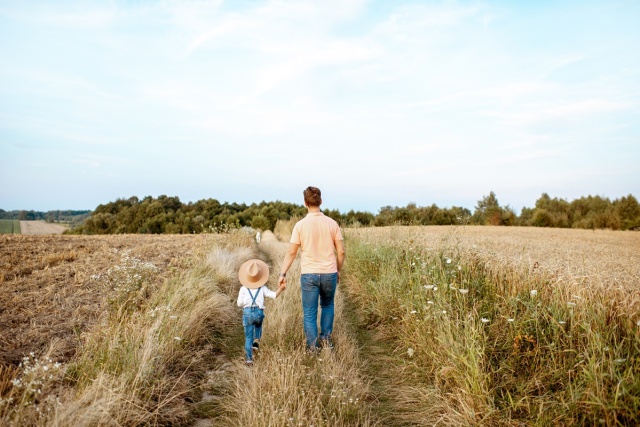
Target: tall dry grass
(287, 386)
(469, 339)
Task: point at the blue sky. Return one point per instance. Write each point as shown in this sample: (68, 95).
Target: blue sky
(377, 103)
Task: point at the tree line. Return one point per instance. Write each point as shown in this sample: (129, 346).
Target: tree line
(66, 216)
(169, 215)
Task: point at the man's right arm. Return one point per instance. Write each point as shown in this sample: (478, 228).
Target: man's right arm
(289, 257)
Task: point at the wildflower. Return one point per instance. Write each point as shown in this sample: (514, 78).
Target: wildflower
(510, 320)
(410, 352)
(448, 260)
(484, 320)
(430, 302)
(562, 322)
(463, 291)
(413, 311)
(444, 311)
(533, 292)
(459, 268)
(620, 361)
(435, 288)
(177, 338)
(429, 287)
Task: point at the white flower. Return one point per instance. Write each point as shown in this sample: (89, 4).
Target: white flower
(429, 287)
(413, 311)
(463, 291)
(410, 352)
(448, 261)
(510, 320)
(459, 268)
(484, 320)
(533, 292)
(621, 360)
(562, 322)
(444, 311)
(430, 302)
(177, 338)
(435, 288)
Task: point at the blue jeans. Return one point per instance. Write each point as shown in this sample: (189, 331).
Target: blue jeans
(318, 287)
(252, 318)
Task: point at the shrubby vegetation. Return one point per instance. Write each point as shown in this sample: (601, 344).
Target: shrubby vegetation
(589, 212)
(169, 215)
(586, 212)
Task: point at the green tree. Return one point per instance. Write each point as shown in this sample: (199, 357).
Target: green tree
(488, 210)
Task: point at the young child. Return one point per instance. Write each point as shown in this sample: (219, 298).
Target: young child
(253, 274)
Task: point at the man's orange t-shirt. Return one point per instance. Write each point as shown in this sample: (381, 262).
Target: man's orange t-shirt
(316, 234)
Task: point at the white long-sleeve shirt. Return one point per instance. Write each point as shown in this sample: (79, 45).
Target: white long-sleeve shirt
(244, 298)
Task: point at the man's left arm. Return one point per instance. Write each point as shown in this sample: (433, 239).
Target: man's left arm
(340, 254)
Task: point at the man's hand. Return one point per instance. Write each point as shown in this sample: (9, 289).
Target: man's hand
(282, 282)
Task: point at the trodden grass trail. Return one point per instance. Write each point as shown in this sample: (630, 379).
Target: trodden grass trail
(287, 386)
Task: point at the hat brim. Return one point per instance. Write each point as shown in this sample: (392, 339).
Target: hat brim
(243, 274)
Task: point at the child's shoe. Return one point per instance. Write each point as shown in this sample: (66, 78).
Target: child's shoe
(249, 362)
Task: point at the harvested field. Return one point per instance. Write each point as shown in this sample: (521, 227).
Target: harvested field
(48, 297)
(36, 228)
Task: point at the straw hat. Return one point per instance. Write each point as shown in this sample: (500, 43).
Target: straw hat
(253, 273)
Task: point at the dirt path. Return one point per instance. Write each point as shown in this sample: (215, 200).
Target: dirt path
(40, 228)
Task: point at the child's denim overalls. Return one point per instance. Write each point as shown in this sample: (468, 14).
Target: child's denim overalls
(252, 318)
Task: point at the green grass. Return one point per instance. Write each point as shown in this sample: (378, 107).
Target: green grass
(9, 226)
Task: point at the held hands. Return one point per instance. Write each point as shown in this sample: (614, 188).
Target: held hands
(282, 282)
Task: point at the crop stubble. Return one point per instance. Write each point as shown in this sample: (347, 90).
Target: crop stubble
(47, 297)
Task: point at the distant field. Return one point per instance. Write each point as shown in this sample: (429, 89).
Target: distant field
(9, 226)
(40, 228)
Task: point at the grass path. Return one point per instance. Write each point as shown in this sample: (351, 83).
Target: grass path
(287, 386)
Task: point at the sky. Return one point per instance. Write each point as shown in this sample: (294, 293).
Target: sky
(377, 103)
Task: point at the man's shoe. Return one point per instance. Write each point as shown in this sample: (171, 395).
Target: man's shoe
(326, 343)
(256, 345)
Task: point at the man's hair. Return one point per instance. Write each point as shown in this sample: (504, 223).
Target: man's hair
(312, 196)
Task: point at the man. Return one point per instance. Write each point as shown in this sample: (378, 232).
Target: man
(322, 255)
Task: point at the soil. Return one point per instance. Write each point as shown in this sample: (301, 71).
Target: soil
(40, 227)
(47, 296)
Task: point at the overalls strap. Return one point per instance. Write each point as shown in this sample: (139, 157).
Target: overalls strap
(253, 298)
